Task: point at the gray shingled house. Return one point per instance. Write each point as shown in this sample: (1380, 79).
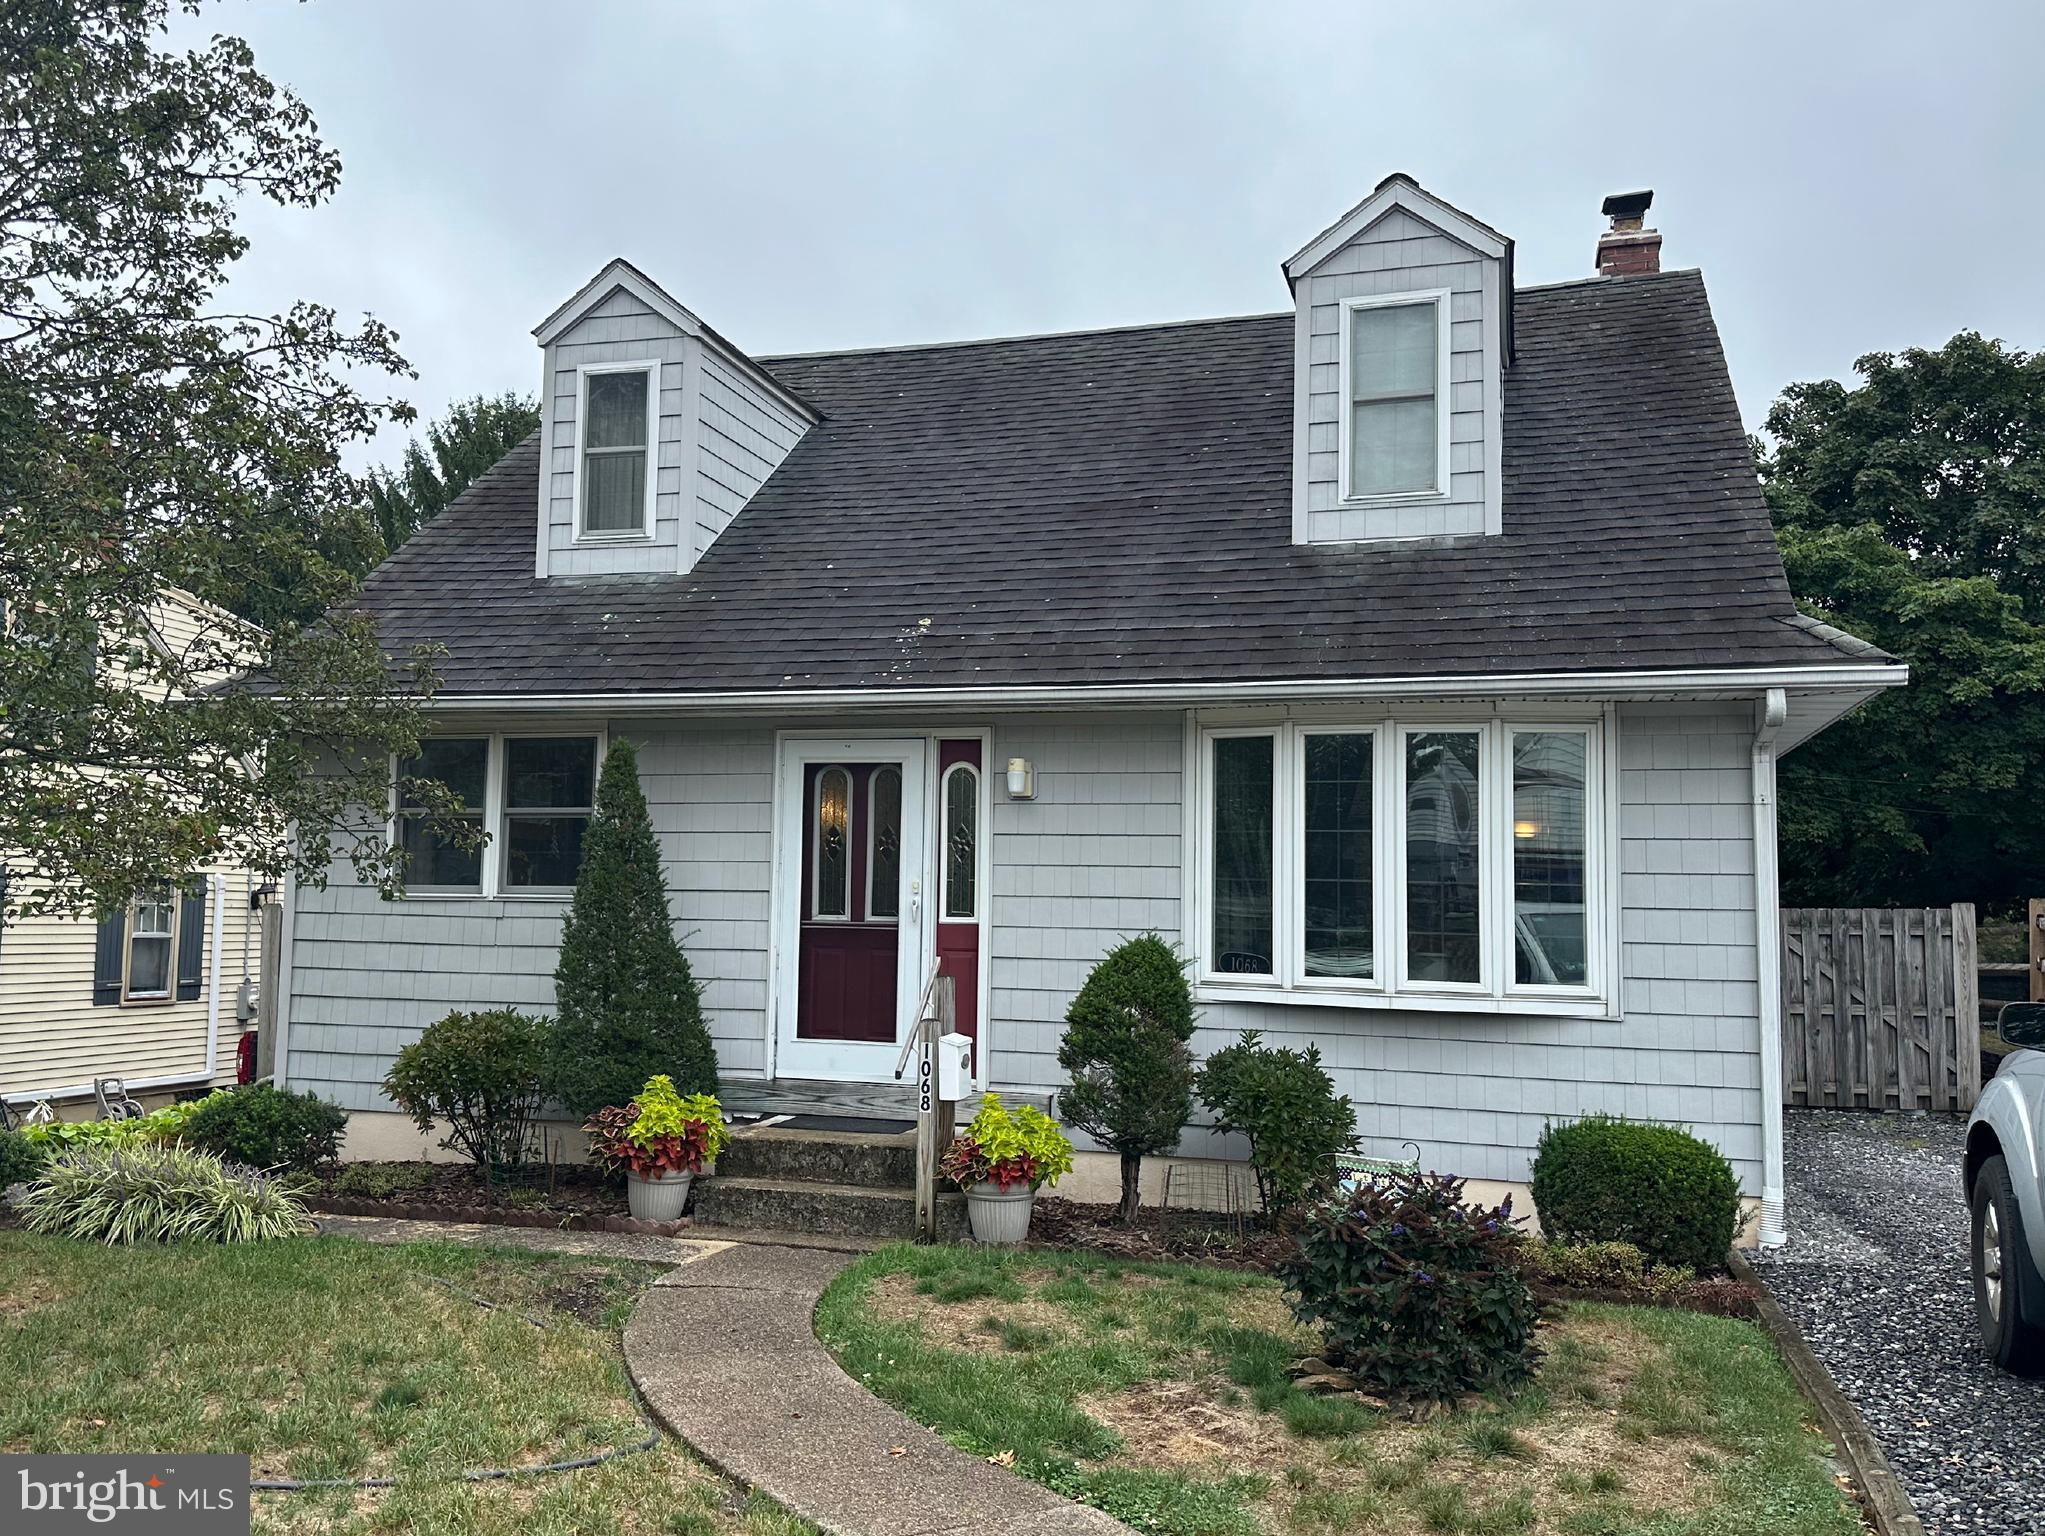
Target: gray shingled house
(1417, 658)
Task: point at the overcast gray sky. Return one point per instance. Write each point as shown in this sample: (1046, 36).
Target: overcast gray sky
(1850, 177)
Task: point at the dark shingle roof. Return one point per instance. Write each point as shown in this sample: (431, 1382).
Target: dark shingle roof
(1115, 507)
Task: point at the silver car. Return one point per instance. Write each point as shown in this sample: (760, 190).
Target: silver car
(2005, 1181)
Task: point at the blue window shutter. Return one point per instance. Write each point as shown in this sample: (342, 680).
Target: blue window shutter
(106, 959)
(192, 943)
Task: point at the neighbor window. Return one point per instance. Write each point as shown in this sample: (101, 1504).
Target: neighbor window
(616, 449)
(434, 859)
(152, 940)
(549, 796)
(1394, 430)
(1403, 859)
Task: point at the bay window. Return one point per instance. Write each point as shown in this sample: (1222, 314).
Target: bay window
(1412, 862)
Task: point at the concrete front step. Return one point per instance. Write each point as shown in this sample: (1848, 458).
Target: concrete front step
(805, 1205)
(822, 1157)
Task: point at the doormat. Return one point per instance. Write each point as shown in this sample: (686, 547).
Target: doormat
(852, 1123)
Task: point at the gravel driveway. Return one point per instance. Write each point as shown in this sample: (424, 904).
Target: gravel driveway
(1875, 1275)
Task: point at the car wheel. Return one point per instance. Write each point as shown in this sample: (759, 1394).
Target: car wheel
(2002, 1274)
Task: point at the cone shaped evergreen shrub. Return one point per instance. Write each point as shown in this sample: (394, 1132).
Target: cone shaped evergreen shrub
(628, 1007)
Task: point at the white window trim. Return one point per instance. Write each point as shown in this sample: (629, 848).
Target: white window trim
(1443, 324)
(815, 831)
(872, 829)
(490, 885)
(944, 911)
(1389, 988)
(651, 367)
(170, 967)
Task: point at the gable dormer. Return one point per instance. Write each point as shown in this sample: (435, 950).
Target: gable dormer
(656, 431)
(1402, 333)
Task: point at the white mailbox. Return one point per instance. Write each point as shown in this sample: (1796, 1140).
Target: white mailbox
(954, 1066)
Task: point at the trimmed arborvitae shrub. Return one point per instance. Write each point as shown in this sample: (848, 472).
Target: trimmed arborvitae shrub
(1417, 1292)
(1604, 1180)
(1125, 1047)
(1286, 1105)
(263, 1126)
(628, 1007)
(484, 1073)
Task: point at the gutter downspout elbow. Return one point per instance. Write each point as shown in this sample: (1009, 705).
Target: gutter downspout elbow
(1768, 965)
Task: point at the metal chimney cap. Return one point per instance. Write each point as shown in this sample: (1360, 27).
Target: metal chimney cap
(1627, 205)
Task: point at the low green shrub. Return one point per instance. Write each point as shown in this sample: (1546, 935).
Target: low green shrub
(1606, 1267)
(1417, 1292)
(484, 1074)
(20, 1158)
(156, 1192)
(1286, 1105)
(379, 1181)
(264, 1126)
(1605, 1180)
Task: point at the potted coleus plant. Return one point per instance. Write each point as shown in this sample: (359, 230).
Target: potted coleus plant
(661, 1140)
(1000, 1161)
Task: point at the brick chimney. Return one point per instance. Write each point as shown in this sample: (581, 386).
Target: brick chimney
(1627, 249)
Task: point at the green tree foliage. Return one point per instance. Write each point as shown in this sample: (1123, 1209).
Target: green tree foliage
(152, 437)
(1911, 512)
(473, 435)
(1125, 1047)
(628, 1007)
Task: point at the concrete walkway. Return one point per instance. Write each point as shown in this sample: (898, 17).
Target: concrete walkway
(724, 1352)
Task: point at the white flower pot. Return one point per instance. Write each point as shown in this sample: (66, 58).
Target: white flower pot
(1000, 1217)
(659, 1198)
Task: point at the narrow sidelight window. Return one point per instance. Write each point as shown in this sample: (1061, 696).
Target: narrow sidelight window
(884, 851)
(831, 875)
(432, 860)
(549, 797)
(961, 840)
(1242, 880)
(1338, 891)
(1550, 812)
(615, 451)
(1394, 406)
(152, 936)
(1444, 889)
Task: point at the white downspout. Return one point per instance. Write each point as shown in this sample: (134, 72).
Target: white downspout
(1768, 966)
(216, 887)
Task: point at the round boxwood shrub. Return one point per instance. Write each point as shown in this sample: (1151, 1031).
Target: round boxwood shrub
(484, 1073)
(1606, 1180)
(264, 1126)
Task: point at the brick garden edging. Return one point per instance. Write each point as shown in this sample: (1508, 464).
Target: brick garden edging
(496, 1216)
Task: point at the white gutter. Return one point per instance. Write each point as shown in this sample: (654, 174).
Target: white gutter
(1741, 681)
(1768, 966)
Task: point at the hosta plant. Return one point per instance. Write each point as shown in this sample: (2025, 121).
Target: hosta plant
(1006, 1148)
(661, 1131)
(153, 1193)
(166, 1124)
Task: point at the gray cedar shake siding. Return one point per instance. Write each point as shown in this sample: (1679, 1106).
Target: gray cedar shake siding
(1098, 856)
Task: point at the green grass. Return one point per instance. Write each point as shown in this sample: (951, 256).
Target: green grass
(326, 1358)
(1681, 1401)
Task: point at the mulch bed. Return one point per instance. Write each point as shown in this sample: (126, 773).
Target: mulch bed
(566, 1197)
(1156, 1236)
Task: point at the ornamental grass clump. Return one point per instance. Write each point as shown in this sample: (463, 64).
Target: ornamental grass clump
(661, 1131)
(1006, 1148)
(156, 1193)
(1418, 1293)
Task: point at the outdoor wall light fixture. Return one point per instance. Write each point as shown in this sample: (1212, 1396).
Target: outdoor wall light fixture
(1022, 779)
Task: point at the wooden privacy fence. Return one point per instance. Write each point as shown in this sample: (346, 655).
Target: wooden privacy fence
(1880, 1008)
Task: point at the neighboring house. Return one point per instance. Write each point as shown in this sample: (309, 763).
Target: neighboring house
(1415, 658)
(149, 994)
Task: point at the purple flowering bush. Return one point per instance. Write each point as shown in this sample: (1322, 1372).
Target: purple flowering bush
(1418, 1292)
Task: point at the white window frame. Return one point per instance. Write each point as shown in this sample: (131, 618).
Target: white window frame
(1443, 324)
(490, 884)
(944, 911)
(816, 839)
(500, 749)
(175, 901)
(1391, 986)
(583, 533)
(872, 829)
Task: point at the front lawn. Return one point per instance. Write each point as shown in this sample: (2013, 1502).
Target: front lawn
(326, 1358)
(1161, 1393)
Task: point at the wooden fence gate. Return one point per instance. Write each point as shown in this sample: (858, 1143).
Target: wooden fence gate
(1880, 1008)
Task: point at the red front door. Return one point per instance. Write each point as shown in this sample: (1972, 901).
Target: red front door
(960, 900)
(851, 902)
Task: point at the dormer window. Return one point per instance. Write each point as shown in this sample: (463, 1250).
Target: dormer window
(1395, 380)
(614, 473)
